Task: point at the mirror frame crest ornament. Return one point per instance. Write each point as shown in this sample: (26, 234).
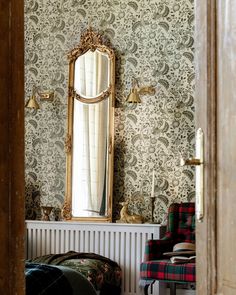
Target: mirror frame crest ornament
(89, 40)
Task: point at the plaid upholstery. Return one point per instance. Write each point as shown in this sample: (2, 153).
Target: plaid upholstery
(167, 271)
(155, 248)
(180, 228)
(181, 223)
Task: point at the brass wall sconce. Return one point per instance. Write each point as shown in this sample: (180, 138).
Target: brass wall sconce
(136, 91)
(32, 103)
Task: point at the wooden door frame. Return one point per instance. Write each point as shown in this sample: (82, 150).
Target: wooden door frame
(12, 201)
(12, 143)
(206, 106)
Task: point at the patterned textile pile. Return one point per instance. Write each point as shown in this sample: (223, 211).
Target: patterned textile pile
(102, 272)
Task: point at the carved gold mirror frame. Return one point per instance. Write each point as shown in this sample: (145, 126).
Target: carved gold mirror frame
(90, 42)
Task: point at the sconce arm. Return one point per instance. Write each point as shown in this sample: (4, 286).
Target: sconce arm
(147, 90)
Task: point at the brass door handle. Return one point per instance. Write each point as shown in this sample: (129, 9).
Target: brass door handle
(190, 162)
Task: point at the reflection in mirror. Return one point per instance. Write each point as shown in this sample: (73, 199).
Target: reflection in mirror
(90, 137)
(90, 159)
(92, 75)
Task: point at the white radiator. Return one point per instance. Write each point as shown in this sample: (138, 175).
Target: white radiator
(123, 243)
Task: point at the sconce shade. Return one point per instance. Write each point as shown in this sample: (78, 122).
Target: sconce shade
(32, 103)
(136, 91)
(133, 97)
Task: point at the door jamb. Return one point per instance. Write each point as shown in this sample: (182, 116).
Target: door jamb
(206, 107)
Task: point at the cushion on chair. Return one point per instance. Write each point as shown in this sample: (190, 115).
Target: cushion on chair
(155, 248)
(181, 223)
(167, 271)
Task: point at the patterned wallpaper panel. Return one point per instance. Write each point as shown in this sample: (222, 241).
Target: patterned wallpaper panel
(153, 42)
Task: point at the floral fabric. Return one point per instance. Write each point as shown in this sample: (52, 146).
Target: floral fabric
(101, 274)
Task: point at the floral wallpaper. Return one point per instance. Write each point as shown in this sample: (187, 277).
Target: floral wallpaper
(153, 42)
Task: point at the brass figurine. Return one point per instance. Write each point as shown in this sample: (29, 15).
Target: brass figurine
(125, 217)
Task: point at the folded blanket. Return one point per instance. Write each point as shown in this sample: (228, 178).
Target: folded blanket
(57, 259)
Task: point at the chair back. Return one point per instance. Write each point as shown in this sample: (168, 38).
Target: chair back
(181, 223)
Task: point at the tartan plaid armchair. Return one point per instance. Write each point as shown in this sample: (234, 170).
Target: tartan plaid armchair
(180, 228)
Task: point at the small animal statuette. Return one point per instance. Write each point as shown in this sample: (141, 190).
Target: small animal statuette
(66, 211)
(125, 217)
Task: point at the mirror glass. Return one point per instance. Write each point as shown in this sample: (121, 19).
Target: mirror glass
(92, 75)
(90, 131)
(90, 159)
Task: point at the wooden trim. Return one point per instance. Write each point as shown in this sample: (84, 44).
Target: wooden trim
(12, 147)
(206, 119)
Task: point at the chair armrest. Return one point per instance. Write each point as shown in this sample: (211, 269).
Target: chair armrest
(154, 249)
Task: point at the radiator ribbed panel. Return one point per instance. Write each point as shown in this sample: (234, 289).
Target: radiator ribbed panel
(121, 243)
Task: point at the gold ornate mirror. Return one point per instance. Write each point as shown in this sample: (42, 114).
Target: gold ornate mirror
(90, 137)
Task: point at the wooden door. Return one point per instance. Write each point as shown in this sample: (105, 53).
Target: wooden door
(205, 63)
(12, 147)
(216, 115)
(226, 147)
